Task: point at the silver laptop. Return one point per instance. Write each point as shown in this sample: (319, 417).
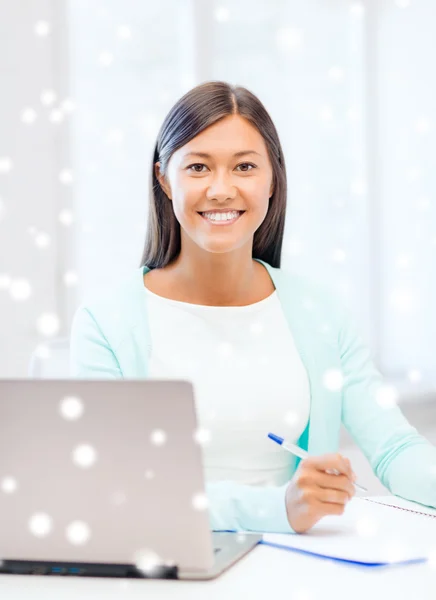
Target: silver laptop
(105, 478)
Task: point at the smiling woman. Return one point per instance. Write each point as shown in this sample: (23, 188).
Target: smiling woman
(211, 305)
(209, 220)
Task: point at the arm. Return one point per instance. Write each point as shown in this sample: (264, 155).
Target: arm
(403, 460)
(232, 506)
(91, 356)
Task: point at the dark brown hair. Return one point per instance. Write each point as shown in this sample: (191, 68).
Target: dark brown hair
(199, 108)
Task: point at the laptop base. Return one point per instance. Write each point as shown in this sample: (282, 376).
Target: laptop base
(24, 567)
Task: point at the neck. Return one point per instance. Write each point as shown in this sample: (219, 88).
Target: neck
(216, 279)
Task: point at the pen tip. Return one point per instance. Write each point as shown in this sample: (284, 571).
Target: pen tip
(275, 438)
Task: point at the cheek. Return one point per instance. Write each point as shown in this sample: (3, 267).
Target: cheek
(184, 208)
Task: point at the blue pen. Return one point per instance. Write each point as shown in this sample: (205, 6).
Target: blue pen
(303, 454)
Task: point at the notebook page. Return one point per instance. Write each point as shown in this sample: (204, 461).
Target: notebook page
(368, 533)
(398, 502)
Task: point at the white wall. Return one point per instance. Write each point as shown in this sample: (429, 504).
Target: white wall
(352, 95)
(31, 195)
(406, 81)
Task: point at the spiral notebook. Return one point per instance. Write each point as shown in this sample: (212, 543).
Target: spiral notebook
(371, 532)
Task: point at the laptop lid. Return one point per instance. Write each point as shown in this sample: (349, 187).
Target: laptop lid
(102, 472)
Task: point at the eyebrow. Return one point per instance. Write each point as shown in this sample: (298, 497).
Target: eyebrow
(205, 155)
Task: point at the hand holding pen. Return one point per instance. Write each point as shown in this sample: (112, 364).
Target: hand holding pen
(321, 486)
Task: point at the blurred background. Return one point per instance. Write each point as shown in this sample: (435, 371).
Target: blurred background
(350, 85)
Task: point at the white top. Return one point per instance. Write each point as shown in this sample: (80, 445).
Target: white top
(248, 380)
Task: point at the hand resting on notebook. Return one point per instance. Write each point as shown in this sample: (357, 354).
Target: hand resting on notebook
(314, 493)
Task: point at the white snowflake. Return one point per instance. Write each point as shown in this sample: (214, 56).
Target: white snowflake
(386, 396)
(200, 501)
(78, 533)
(147, 561)
(333, 380)
(158, 437)
(56, 116)
(339, 255)
(68, 105)
(66, 176)
(366, 527)
(70, 278)
(105, 59)
(358, 187)
(414, 375)
(9, 485)
(71, 408)
(84, 456)
(336, 73)
(40, 524)
(66, 217)
(221, 14)
(5, 281)
(42, 240)
(20, 289)
(357, 9)
(202, 436)
(48, 97)
(289, 38)
(291, 418)
(6, 164)
(124, 32)
(28, 116)
(42, 28)
(48, 324)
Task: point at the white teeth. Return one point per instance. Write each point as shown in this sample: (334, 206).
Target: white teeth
(228, 216)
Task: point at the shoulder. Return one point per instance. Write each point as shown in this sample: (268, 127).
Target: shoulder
(115, 311)
(305, 288)
(311, 302)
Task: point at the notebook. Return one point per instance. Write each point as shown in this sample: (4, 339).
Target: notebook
(370, 533)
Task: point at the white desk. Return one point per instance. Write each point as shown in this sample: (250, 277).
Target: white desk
(263, 572)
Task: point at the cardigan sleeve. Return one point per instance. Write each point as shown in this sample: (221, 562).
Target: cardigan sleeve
(403, 460)
(91, 356)
(232, 506)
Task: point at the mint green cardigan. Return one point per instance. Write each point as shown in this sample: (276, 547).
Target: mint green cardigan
(110, 339)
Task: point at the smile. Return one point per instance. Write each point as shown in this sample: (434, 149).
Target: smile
(227, 218)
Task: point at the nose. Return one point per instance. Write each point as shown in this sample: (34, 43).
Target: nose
(221, 188)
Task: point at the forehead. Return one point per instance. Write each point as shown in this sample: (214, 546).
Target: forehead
(229, 136)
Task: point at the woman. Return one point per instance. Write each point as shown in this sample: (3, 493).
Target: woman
(266, 350)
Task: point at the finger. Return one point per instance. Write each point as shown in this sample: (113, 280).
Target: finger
(329, 508)
(334, 482)
(332, 496)
(327, 462)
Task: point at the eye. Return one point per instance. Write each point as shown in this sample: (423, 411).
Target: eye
(196, 165)
(203, 165)
(247, 165)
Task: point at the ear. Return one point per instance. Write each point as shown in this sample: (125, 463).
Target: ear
(271, 189)
(162, 180)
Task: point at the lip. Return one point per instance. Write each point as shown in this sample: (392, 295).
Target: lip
(222, 223)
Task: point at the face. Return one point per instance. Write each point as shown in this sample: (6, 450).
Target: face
(225, 168)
